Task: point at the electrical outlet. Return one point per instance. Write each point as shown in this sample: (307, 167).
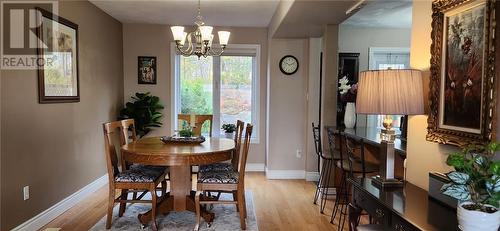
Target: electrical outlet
(299, 153)
(26, 192)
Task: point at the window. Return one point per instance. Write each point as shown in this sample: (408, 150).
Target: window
(225, 86)
(382, 58)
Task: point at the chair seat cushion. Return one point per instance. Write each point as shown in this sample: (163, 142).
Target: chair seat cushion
(140, 174)
(218, 177)
(216, 167)
(357, 166)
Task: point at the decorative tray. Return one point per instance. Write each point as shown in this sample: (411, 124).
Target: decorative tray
(186, 140)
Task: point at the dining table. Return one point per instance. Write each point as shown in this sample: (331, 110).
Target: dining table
(179, 157)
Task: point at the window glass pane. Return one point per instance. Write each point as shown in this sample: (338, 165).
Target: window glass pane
(196, 89)
(236, 89)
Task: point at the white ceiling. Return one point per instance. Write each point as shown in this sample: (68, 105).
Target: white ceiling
(239, 13)
(382, 14)
(307, 18)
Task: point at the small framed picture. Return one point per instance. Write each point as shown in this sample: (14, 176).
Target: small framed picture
(146, 66)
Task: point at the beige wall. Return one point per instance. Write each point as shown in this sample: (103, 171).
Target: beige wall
(57, 149)
(155, 40)
(422, 156)
(359, 40)
(330, 78)
(287, 106)
(312, 101)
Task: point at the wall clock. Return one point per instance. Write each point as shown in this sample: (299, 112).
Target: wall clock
(289, 65)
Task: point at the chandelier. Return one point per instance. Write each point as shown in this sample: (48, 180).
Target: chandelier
(199, 42)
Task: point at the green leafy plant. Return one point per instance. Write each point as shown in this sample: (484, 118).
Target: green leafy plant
(476, 177)
(186, 133)
(229, 128)
(145, 110)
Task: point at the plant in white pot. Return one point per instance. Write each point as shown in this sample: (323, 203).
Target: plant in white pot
(229, 130)
(475, 183)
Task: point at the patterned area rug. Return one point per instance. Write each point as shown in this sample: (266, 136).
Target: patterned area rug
(226, 218)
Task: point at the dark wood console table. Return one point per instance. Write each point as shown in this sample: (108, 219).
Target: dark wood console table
(408, 208)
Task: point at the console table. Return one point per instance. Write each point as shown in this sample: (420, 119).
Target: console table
(408, 208)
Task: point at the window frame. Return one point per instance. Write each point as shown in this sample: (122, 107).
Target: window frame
(252, 50)
(375, 120)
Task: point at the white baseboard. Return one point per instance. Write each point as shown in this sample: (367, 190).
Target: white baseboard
(255, 167)
(285, 174)
(51, 213)
(312, 176)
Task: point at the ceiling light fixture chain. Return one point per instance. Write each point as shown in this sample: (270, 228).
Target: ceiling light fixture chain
(199, 42)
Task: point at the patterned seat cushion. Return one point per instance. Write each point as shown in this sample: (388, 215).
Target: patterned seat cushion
(216, 167)
(218, 177)
(140, 174)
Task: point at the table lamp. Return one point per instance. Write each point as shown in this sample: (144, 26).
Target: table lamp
(389, 92)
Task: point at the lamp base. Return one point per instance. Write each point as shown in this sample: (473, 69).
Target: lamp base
(381, 182)
(388, 135)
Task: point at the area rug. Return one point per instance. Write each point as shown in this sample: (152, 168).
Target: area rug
(226, 218)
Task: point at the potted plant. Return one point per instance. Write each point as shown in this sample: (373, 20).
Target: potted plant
(145, 110)
(229, 130)
(475, 183)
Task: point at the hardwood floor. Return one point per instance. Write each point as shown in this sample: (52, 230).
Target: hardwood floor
(280, 205)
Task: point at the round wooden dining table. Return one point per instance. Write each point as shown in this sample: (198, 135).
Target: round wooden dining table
(179, 157)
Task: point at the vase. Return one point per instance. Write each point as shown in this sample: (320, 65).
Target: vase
(350, 115)
(229, 135)
(471, 220)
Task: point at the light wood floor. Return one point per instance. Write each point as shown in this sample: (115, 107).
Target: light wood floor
(279, 204)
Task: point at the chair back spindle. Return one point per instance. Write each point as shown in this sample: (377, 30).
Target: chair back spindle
(335, 150)
(352, 158)
(238, 133)
(244, 153)
(110, 130)
(128, 125)
(199, 121)
(317, 141)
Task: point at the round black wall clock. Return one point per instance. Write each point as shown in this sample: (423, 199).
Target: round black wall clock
(289, 65)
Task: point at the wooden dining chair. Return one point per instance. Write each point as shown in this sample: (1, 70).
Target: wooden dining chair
(223, 166)
(141, 178)
(230, 181)
(129, 135)
(199, 121)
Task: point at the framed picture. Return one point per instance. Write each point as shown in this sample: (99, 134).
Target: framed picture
(462, 85)
(58, 48)
(146, 70)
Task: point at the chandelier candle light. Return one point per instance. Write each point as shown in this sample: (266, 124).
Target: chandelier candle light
(199, 42)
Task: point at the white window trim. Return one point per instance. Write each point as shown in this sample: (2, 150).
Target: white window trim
(232, 49)
(373, 50)
(372, 119)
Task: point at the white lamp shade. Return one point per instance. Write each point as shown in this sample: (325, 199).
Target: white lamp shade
(224, 37)
(178, 33)
(206, 32)
(183, 40)
(211, 40)
(390, 92)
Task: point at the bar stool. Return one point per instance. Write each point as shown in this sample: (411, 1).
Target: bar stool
(351, 167)
(322, 187)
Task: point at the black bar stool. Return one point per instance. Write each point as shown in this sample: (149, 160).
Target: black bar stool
(351, 166)
(322, 187)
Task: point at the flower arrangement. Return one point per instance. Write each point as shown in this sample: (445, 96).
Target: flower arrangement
(476, 178)
(347, 92)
